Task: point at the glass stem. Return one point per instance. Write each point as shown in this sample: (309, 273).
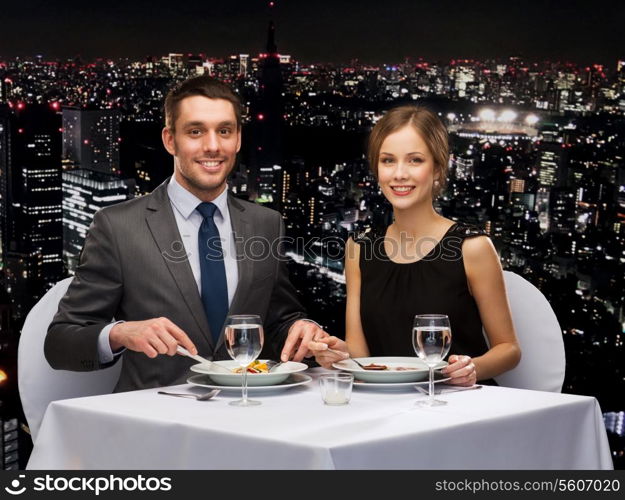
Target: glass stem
(244, 388)
(431, 390)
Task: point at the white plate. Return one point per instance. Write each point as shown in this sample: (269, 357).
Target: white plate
(438, 377)
(388, 376)
(278, 376)
(293, 380)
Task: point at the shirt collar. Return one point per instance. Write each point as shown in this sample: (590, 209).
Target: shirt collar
(186, 202)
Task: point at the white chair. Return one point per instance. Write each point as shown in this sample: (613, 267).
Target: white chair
(543, 361)
(38, 383)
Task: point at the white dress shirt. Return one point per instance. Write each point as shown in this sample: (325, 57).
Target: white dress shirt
(189, 221)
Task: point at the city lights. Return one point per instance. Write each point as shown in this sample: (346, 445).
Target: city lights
(487, 115)
(507, 116)
(531, 119)
(536, 160)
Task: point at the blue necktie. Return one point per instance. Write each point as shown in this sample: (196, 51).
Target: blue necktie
(213, 271)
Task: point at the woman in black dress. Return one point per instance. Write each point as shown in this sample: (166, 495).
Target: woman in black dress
(422, 263)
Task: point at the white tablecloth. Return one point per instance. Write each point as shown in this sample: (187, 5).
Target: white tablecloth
(490, 428)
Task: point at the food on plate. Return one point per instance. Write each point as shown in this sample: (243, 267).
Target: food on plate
(254, 367)
(373, 366)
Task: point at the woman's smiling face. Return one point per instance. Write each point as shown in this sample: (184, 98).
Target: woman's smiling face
(406, 172)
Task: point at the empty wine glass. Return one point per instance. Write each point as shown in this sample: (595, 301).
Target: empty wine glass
(431, 339)
(244, 341)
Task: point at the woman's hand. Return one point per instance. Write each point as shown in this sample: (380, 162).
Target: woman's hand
(461, 369)
(323, 356)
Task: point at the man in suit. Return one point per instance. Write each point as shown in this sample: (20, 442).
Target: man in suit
(170, 266)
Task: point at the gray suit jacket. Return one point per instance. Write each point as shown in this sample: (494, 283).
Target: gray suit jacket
(134, 267)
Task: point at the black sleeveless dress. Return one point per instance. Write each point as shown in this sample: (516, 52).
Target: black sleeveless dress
(392, 294)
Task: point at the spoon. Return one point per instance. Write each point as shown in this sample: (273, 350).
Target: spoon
(200, 397)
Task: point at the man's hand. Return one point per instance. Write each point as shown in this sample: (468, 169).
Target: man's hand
(300, 335)
(151, 337)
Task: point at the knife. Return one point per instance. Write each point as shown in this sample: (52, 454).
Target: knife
(209, 364)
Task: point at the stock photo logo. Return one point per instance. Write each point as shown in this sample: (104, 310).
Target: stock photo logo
(15, 487)
(92, 485)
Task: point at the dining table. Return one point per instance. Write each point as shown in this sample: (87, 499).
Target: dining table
(381, 428)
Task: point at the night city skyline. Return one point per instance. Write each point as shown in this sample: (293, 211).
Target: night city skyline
(537, 144)
(323, 31)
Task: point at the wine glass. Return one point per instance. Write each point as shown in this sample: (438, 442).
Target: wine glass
(244, 341)
(431, 339)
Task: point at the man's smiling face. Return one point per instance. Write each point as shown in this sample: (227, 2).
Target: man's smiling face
(204, 144)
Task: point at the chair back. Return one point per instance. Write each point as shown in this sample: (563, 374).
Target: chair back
(38, 383)
(543, 361)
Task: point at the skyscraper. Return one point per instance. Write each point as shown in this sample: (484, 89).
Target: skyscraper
(267, 121)
(550, 157)
(238, 64)
(91, 139)
(563, 202)
(542, 208)
(84, 193)
(464, 167)
(620, 71)
(34, 260)
(5, 159)
(517, 186)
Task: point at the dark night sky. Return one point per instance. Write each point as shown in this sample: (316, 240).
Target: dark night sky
(321, 30)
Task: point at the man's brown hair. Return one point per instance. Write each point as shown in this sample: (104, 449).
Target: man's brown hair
(206, 86)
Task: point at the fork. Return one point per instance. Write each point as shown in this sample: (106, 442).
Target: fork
(273, 365)
(447, 390)
(350, 358)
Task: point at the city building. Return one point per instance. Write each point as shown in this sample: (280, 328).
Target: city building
(266, 128)
(91, 139)
(84, 193)
(5, 181)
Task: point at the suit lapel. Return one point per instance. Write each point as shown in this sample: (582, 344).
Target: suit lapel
(162, 223)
